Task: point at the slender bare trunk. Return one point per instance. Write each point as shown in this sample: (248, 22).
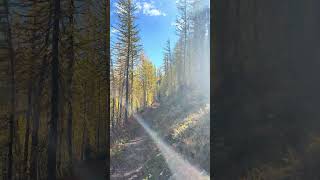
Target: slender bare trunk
(52, 137)
(131, 96)
(127, 88)
(60, 136)
(127, 70)
(107, 58)
(70, 85)
(121, 104)
(113, 110)
(27, 133)
(36, 122)
(13, 96)
(84, 122)
(99, 117)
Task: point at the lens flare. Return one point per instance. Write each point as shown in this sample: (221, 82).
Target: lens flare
(180, 167)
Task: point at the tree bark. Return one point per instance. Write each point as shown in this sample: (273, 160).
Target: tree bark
(27, 133)
(13, 96)
(36, 121)
(70, 85)
(99, 117)
(52, 139)
(60, 136)
(131, 96)
(36, 113)
(127, 85)
(107, 58)
(121, 104)
(84, 124)
(127, 68)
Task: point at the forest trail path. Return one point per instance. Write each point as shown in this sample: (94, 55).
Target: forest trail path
(137, 154)
(131, 161)
(128, 165)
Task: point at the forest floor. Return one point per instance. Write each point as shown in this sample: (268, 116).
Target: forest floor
(88, 170)
(139, 158)
(136, 157)
(182, 121)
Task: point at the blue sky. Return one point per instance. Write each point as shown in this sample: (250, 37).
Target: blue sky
(156, 20)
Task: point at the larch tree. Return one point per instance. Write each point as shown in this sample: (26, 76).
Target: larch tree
(128, 37)
(182, 28)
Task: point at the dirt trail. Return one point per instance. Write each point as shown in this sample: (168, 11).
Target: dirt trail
(138, 158)
(127, 165)
(132, 160)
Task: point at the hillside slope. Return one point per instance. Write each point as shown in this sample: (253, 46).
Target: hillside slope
(182, 121)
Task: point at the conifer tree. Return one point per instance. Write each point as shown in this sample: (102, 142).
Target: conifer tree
(128, 38)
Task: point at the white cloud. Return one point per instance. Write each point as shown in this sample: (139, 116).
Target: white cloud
(148, 8)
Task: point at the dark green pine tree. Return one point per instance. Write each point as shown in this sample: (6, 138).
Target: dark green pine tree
(128, 38)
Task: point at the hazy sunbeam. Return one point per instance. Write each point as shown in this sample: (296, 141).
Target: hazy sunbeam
(180, 167)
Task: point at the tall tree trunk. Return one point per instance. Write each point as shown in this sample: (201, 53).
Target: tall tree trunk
(36, 121)
(121, 97)
(119, 110)
(70, 85)
(11, 119)
(99, 117)
(4, 167)
(36, 114)
(27, 133)
(13, 95)
(144, 92)
(121, 89)
(113, 93)
(131, 96)
(52, 139)
(107, 58)
(83, 145)
(60, 136)
(127, 68)
(127, 89)
(36, 109)
(113, 110)
(84, 123)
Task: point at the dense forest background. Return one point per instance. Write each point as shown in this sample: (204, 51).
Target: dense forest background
(266, 98)
(136, 82)
(56, 95)
(54, 86)
(65, 91)
(173, 99)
